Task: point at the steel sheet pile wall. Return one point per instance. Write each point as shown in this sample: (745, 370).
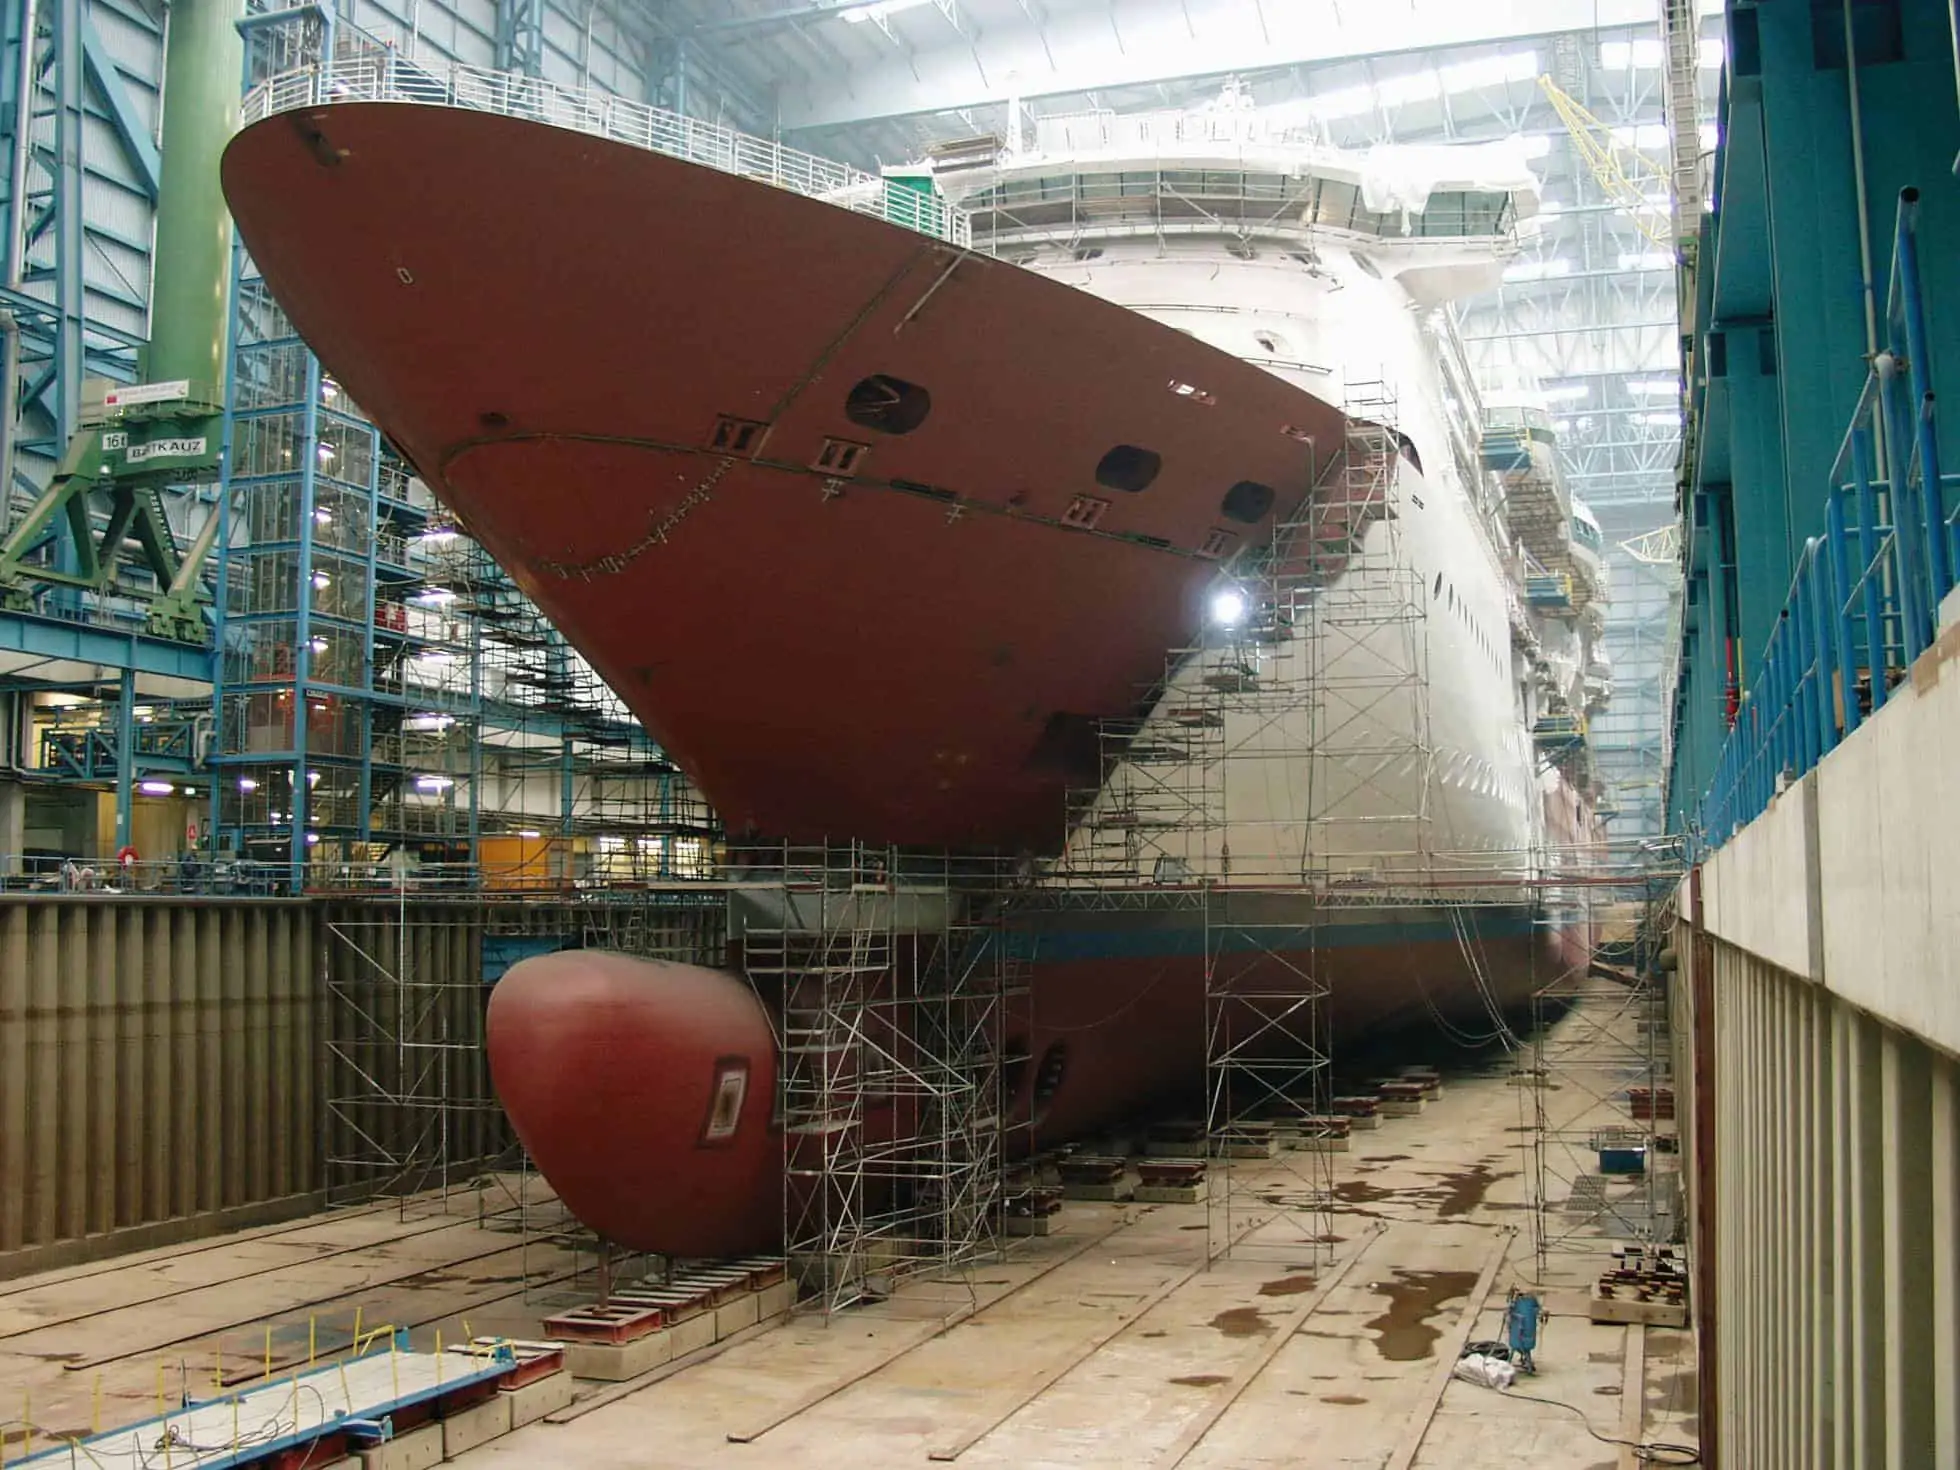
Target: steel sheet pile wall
(1825, 1145)
(172, 1067)
(160, 1070)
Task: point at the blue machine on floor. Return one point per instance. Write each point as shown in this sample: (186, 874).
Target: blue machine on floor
(1521, 1314)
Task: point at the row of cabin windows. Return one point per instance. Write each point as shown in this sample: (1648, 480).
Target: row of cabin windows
(1446, 592)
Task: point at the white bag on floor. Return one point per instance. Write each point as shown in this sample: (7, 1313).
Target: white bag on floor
(1485, 1372)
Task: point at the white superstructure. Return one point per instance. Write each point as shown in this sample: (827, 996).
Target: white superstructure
(1361, 711)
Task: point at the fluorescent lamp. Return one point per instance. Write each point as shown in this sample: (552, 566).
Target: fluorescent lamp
(528, 833)
(1490, 71)
(859, 14)
(1537, 270)
(246, 783)
(1623, 55)
(1415, 86)
(1647, 135)
(155, 788)
(1344, 102)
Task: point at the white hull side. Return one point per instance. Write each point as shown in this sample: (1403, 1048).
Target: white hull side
(1387, 741)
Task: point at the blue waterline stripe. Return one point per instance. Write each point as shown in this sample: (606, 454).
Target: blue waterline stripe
(1146, 942)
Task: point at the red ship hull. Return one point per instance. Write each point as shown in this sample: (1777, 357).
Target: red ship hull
(913, 649)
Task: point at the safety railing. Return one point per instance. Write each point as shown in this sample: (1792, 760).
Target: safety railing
(1865, 598)
(388, 77)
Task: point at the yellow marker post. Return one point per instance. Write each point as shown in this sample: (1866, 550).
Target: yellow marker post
(357, 1330)
(268, 1350)
(346, 1395)
(438, 1357)
(218, 1367)
(312, 1338)
(395, 1366)
(234, 1424)
(162, 1408)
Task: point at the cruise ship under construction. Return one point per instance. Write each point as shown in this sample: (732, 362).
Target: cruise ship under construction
(1110, 511)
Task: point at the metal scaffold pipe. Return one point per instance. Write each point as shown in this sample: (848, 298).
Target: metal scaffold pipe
(203, 59)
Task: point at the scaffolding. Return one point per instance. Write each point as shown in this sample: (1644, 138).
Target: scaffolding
(387, 698)
(1329, 678)
(1598, 1084)
(892, 982)
(411, 1113)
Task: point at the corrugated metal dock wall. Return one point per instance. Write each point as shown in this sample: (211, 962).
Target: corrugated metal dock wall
(1817, 1007)
(172, 1066)
(160, 1069)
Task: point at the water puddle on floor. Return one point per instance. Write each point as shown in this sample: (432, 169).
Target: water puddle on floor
(1242, 1322)
(1402, 1333)
(1287, 1286)
(1460, 1193)
(1360, 1192)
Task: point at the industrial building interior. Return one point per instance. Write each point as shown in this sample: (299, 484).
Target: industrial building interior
(1460, 978)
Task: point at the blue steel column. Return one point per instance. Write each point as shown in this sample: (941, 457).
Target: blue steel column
(300, 816)
(70, 290)
(1919, 359)
(125, 757)
(520, 36)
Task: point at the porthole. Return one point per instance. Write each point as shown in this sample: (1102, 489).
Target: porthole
(1126, 467)
(887, 404)
(1247, 502)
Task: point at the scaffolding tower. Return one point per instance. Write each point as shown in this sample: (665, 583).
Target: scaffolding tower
(1323, 695)
(1598, 1088)
(387, 699)
(892, 983)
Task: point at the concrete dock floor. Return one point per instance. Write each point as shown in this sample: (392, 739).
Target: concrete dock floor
(1110, 1342)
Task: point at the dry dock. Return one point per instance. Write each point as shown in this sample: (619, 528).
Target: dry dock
(1108, 1342)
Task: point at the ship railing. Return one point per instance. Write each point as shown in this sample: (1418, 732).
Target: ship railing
(389, 77)
(1865, 596)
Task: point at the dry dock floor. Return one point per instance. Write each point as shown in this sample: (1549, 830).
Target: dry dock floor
(1110, 1342)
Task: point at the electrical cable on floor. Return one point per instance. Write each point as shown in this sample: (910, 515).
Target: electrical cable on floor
(1649, 1452)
